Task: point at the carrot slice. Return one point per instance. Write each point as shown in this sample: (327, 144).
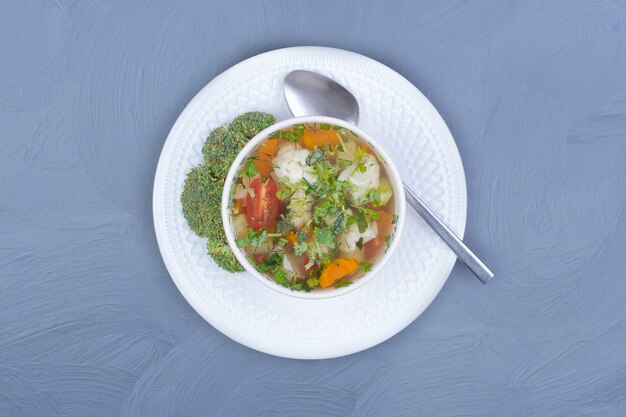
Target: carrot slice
(311, 139)
(264, 156)
(292, 237)
(239, 207)
(337, 269)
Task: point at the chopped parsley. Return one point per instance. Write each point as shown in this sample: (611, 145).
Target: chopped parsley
(344, 162)
(255, 238)
(359, 154)
(365, 266)
(250, 169)
(300, 248)
(316, 155)
(339, 224)
(343, 283)
(325, 237)
(290, 135)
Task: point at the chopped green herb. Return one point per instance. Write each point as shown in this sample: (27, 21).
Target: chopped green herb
(368, 212)
(343, 283)
(339, 224)
(323, 209)
(290, 136)
(325, 237)
(250, 169)
(317, 154)
(361, 222)
(312, 282)
(373, 196)
(324, 126)
(280, 276)
(359, 243)
(359, 154)
(345, 162)
(302, 236)
(300, 248)
(365, 266)
(388, 239)
(275, 259)
(284, 224)
(255, 238)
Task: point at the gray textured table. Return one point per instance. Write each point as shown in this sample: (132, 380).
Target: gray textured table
(92, 325)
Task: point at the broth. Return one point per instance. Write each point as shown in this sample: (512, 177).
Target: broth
(313, 207)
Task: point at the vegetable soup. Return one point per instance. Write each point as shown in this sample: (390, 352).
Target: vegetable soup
(313, 206)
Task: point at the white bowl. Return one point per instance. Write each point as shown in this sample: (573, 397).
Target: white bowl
(398, 194)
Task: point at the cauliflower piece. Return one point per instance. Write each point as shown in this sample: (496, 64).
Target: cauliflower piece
(363, 180)
(351, 236)
(301, 208)
(290, 162)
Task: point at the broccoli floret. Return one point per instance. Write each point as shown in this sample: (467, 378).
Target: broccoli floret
(202, 201)
(202, 194)
(249, 124)
(223, 256)
(221, 148)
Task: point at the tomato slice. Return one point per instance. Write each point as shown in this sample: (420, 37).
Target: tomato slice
(262, 209)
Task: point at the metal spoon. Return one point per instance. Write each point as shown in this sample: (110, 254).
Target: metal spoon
(312, 94)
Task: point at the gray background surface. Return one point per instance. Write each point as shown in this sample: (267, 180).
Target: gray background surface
(92, 325)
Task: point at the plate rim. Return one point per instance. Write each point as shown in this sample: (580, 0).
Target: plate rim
(187, 291)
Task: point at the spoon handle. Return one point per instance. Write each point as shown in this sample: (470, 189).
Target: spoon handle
(458, 247)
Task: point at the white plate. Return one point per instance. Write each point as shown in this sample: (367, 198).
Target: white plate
(395, 113)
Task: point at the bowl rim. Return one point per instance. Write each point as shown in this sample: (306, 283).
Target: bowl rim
(318, 293)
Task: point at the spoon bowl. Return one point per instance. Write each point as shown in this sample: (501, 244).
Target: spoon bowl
(322, 97)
